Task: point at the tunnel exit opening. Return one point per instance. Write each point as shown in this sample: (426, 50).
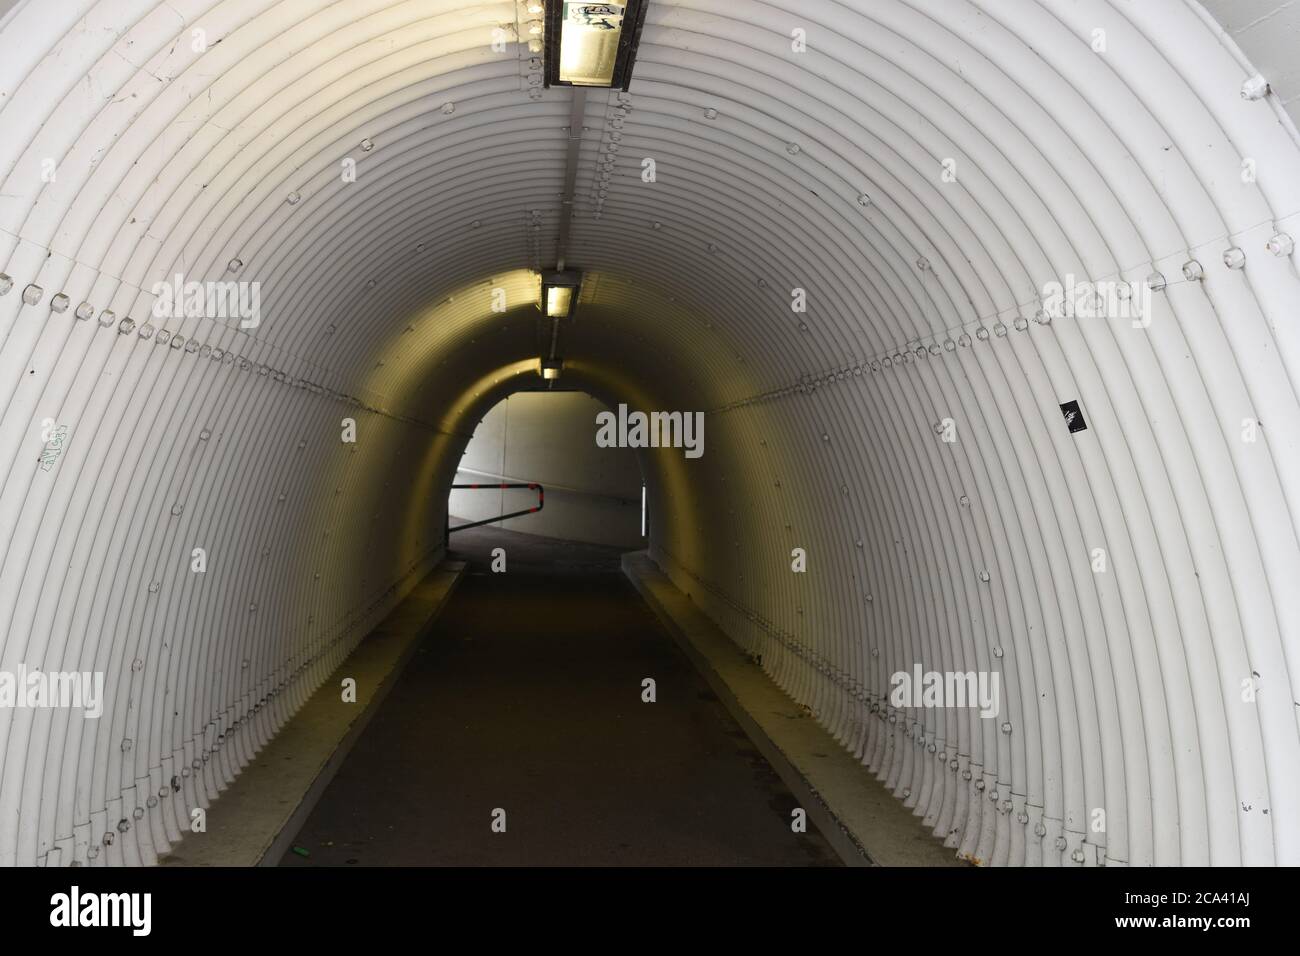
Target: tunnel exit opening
(548, 438)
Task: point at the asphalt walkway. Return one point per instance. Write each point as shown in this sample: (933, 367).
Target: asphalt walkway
(525, 696)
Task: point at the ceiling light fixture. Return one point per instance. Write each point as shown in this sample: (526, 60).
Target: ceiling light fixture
(592, 44)
(560, 292)
(550, 368)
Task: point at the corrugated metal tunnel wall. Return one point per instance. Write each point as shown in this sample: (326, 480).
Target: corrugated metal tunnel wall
(922, 170)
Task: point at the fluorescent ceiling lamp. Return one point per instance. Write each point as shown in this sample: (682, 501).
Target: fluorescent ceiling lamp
(550, 369)
(592, 44)
(559, 301)
(560, 292)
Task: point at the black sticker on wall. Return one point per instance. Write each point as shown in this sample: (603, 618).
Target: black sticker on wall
(1073, 417)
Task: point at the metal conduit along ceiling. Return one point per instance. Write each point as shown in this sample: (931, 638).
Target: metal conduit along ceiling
(833, 227)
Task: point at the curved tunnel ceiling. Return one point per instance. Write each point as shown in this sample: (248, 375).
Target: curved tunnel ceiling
(923, 171)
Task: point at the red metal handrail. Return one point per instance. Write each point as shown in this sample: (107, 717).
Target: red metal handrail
(541, 500)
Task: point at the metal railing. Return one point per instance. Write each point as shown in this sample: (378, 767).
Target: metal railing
(541, 501)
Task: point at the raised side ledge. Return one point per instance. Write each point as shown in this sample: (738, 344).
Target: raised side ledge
(254, 822)
(861, 819)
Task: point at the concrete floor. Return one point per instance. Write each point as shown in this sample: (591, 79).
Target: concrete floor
(525, 695)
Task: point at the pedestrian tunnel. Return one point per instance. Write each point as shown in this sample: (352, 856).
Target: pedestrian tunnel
(987, 309)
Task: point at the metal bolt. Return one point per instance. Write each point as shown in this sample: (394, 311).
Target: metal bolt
(1255, 88)
(1280, 245)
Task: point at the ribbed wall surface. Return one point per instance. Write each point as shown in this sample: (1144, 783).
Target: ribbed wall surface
(822, 170)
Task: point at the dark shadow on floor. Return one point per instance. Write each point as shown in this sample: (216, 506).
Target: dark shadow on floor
(525, 696)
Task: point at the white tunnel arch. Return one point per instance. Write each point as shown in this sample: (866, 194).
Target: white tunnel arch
(922, 170)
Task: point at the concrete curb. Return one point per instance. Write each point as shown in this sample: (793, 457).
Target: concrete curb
(859, 817)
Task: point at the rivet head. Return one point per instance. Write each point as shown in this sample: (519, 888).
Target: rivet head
(138, 813)
(984, 576)
(1193, 270)
(146, 331)
(1234, 258)
(367, 145)
(997, 652)
(1279, 245)
(1021, 323)
(84, 311)
(60, 303)
(293, 198)
(999, 330)
(1156, 281)
(710, 113)
(6, 283)
(793, 149)
(1006, 727)
(32, 294)
(126, 327)
(234, 265)
(1254, 88)
(448, 108)
(1040, 829)
(964, 501)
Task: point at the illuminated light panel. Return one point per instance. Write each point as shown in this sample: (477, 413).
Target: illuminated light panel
(559, 301)
(589, 37)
